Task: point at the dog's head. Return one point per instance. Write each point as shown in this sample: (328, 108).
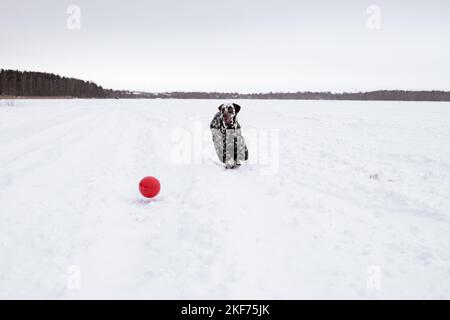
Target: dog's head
(228, 112)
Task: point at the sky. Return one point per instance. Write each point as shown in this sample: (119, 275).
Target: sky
(239, 46)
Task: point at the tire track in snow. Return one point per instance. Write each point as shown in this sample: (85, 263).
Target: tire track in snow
(56, 174)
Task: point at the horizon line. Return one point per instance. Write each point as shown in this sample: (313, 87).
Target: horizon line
(235, 92)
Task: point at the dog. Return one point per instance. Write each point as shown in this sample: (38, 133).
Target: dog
(227, 137)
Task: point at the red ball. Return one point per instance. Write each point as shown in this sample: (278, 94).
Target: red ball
(149, 187)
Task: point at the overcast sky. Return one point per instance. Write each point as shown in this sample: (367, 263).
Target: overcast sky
(233, 45)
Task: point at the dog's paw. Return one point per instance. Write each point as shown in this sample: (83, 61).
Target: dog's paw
(232, 164)
(229, 164)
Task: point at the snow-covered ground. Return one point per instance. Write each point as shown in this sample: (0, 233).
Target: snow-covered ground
(340, 200)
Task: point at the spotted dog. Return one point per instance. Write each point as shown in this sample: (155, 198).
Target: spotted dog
(226, 134)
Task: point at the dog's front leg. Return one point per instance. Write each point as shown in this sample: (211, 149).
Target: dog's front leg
(218, 140)
(230, 147)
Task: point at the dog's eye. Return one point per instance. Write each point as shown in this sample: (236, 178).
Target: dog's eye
(230, 109)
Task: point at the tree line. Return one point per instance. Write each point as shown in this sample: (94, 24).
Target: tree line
(39, 84)
(15, 83)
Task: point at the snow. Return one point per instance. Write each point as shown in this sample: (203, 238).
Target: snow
(340, 200)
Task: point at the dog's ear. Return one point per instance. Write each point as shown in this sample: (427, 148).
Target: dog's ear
(221, 107)
(237, 107)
